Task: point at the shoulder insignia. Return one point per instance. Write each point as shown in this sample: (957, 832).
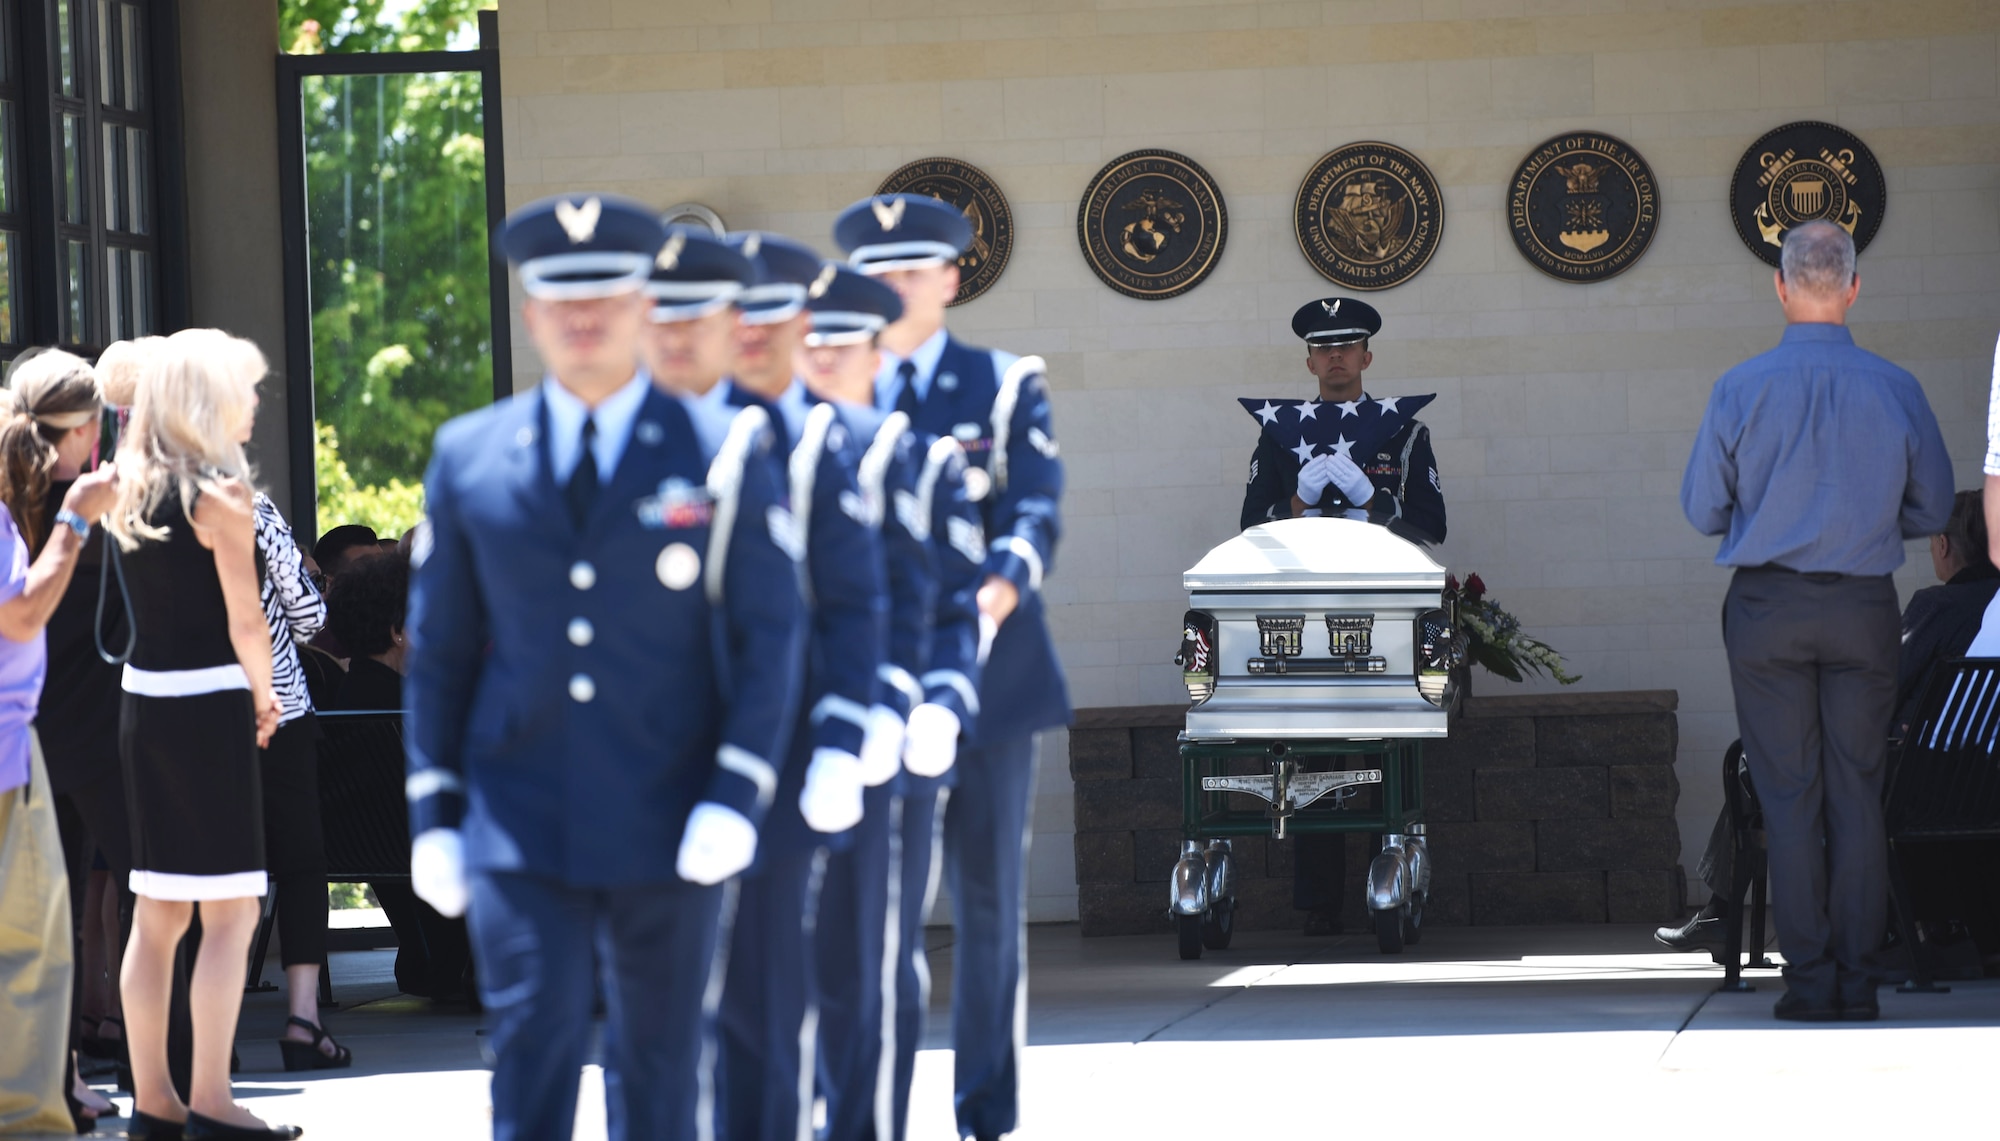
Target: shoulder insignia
(1043, 443)
(1253, 470)
(965, 537)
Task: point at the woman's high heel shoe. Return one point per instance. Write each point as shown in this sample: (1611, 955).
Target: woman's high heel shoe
(145, 1127)
(201, 1128)
(308, 1055)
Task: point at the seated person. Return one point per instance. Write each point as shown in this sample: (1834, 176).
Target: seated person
(1938, 624)
(365, 610)
(338, 551)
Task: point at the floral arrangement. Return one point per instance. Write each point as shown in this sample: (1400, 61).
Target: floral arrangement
(1495, 636)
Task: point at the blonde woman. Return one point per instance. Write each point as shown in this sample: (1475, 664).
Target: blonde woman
(198, 704)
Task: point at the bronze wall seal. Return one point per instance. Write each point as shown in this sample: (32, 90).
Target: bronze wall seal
(1152, 224)
(1583, 206)
(1368, 216)
(1801, 172)
(966, 187)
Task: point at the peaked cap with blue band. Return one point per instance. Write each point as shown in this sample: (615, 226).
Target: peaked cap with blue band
(1354, 429)
(901, 231)
(1336, 321)
(851, 308)
(574, 247)
(694, 274)
(785, 270)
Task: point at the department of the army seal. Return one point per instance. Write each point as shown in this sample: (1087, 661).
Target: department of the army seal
(1152, 224)
(1800, 172)
(1583, 207)
(966, 187)
(1368, 216)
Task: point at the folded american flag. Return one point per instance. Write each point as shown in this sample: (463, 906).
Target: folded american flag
(1356, 429)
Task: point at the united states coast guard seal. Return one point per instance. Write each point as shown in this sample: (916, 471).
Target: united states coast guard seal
(1152, 224)
(1802, 172)
(968, 188)
(1368, 216)
(1583, 207)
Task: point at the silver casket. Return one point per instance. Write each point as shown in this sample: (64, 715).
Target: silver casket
(1307, 629)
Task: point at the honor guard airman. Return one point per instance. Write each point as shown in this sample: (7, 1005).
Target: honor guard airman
(1398, 486)
(603, 663)
(768, 1005)
(996, 405)
(874, 981)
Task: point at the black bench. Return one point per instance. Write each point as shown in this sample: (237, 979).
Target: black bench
(1944, 784)
(362, 811)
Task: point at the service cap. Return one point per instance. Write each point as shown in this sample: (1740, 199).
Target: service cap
(1336, 321)
(784, 270)
(694, 274)
(901, 231)
(849, 307)
(575, 247)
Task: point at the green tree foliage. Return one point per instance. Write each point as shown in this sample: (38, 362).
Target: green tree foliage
(396, 223)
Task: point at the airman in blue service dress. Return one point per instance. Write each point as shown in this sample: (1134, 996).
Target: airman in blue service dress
(874, 981)
(603, 660)
(1403, 492)
(997, 406)
(766, 1023)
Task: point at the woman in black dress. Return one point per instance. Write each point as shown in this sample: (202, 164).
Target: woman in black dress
(198, 704)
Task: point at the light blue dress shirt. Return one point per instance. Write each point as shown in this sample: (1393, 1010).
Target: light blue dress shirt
(614, 425)
(1817, 456)
(889, 385)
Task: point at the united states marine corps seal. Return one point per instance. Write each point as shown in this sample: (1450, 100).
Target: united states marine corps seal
(1802, 172)
(1152, 224)
(979, 199)
(1368, 216)
(1583, 207)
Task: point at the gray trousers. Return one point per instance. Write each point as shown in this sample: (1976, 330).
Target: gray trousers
(1812, 660)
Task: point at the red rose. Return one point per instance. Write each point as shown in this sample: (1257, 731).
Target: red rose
(1475, 587)
(1451, 584)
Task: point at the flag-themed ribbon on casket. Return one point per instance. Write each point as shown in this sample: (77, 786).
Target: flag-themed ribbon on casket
(1355, 429)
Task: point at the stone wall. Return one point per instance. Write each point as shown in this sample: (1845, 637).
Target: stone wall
(1541, 809)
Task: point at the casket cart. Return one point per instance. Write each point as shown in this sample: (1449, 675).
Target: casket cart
(1320, 654)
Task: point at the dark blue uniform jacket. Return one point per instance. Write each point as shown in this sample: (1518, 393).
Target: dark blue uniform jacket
(674, 606)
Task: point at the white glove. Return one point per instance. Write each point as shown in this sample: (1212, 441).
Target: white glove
(1347, 478)
(437, 871)
(1313, 478)
(882, 747)
(831, 799)
(930, 744)
(718, 843)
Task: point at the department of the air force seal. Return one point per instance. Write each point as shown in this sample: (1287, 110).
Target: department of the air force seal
(1368, 216)
(1583, 207)
(1800, 172)
(1152, 224)
(966, 187)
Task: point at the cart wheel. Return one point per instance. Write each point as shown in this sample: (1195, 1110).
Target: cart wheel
(1190, 931)
(1219, 924)
(1389, 929)
(1413, 921)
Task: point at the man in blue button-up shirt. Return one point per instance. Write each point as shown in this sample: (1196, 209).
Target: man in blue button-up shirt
(1814, 462)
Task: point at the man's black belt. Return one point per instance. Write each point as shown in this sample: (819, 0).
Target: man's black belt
(1809, 576)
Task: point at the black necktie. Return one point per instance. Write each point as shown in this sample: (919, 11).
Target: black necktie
(907, 401)
(582, 490)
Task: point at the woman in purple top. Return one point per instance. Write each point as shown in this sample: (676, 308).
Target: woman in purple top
(34, 890)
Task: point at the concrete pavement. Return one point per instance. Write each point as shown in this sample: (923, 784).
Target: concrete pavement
(1558, 1032)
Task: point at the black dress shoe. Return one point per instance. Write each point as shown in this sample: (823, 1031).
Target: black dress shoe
(1697, 934)
(145, 1127)
(1861, 1009)
(201, 1128)
(1795, 1007)
(1320, 923)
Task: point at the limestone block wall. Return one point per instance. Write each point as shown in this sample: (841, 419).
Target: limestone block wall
(1564, 412)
